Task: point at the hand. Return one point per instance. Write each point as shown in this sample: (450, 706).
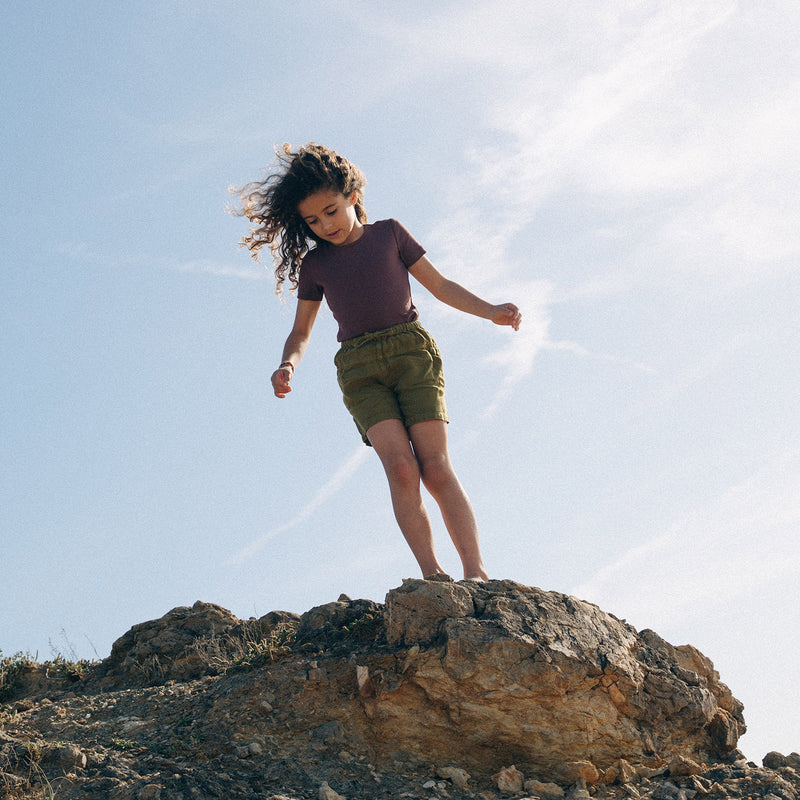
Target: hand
(506, 314)
(280, 381)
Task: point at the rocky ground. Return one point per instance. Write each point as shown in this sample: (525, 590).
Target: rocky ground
(451, 690)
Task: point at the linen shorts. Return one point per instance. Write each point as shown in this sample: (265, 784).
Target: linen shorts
(391, 374)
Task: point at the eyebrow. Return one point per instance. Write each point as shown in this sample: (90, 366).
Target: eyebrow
(313, 216)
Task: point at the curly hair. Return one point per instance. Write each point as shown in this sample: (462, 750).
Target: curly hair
(271, 204)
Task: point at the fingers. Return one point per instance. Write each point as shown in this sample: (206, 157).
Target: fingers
(509, 315)
(280, 382)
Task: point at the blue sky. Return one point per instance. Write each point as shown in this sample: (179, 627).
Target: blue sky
(626, 172)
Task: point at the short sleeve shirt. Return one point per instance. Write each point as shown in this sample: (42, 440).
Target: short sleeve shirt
(365, 283)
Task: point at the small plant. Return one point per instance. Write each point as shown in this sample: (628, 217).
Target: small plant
(71, 671)
(246, 649)
(365, 628)
(47, 788)
(37, 775)
(69, 647)
(151, 669)
(35, 785)
(164, 749)
(33, 753)
(69, 666)
(266, 650)
(11, 668)
(123, 745)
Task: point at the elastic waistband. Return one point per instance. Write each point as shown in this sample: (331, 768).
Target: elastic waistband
(364, 338)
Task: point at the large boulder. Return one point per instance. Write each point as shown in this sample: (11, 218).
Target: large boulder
(504, 673)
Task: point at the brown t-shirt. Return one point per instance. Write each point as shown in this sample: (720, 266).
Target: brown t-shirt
(364, 283)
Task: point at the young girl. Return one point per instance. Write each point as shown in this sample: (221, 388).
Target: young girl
(388, 366)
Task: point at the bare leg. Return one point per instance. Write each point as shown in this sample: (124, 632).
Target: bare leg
(390, 440)
(429, 440)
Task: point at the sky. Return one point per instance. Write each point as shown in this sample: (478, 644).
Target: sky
(625, 172)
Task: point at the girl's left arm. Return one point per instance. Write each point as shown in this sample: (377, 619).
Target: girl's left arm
(458, 297)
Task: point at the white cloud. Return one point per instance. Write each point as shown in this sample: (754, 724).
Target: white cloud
(554, 133)
(703, 159)
(596, 134)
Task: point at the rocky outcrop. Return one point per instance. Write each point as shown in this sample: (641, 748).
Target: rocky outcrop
(186, 643)
(451, 689)
(501, 671)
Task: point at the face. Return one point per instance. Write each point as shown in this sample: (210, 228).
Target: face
(331, 216)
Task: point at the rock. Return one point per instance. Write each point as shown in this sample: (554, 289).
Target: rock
(416, 612)
(546, 791)
(724, 732)
(457, 776)
(340, 622)
(148, 651)
(65, 756)
(643, 771)
(326, 793)
(774, 760)
(668, 791)
(496, 658)
(188, 643)
(682, 766)
(509, 780)
(574, 771)
(621, 772)
(365, 686)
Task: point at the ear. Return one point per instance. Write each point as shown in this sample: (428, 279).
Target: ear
(353, 199)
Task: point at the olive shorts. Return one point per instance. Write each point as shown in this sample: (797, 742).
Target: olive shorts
(391, 374)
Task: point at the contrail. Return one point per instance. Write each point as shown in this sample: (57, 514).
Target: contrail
(328, 490)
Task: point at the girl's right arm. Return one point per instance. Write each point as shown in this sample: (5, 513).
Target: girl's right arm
(295, 346)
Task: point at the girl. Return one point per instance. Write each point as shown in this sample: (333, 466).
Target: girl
(388, 366)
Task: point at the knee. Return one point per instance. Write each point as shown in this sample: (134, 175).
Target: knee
(437, 474)
(403, 471)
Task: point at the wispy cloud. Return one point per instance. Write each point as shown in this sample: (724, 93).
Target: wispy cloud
(83, 252)
(653, 113)
(643, 119)
(331, 487)
(513, 361)
(211, 267)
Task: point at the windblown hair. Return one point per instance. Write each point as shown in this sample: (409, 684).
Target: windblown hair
(271, 204)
